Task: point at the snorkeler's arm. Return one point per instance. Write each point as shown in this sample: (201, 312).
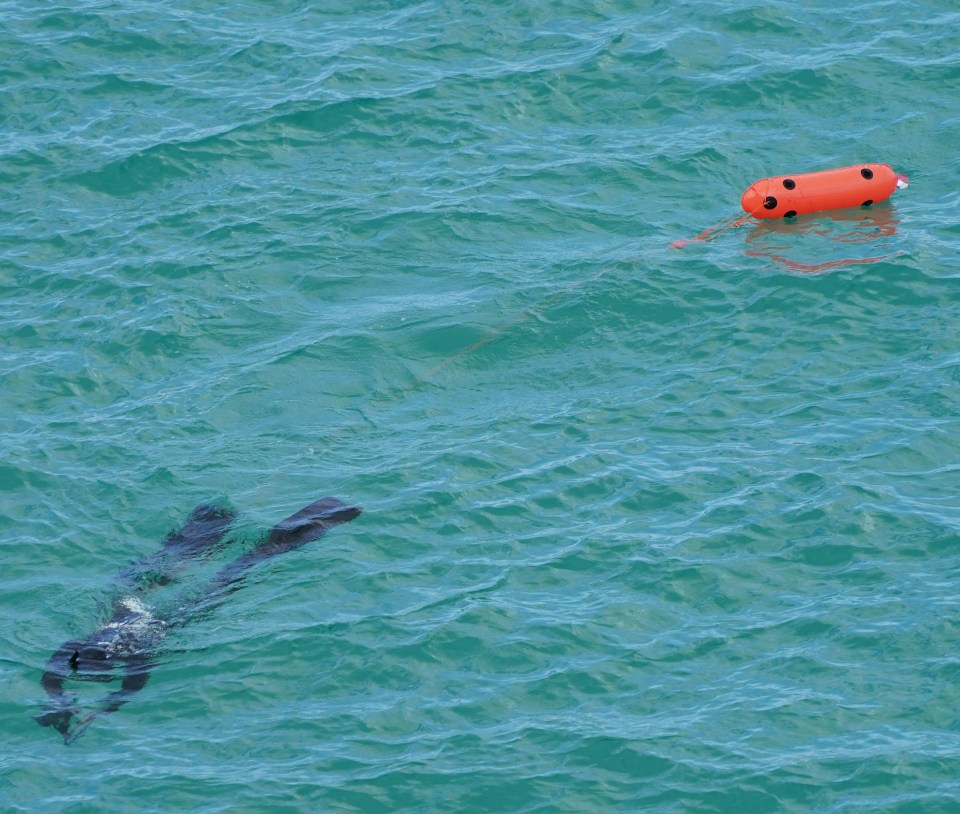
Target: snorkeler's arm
(59, 712)
(135, 677)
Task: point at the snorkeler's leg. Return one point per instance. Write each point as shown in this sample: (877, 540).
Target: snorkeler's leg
(203, 533)
(308, 524)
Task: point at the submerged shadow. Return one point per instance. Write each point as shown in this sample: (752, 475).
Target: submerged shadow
(795, 243)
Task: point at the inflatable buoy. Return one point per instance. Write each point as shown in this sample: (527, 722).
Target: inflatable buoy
(787, 196)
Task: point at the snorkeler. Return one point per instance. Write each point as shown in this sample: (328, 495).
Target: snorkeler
(127, 646)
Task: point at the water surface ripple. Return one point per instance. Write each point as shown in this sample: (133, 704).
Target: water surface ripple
(644, 529)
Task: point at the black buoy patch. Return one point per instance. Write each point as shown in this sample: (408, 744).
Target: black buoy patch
(770, 202)
(867, 202)
(791, 214)
(867, 173)
(789, 183)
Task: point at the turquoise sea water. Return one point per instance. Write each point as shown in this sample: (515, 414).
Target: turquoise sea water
(644, 529)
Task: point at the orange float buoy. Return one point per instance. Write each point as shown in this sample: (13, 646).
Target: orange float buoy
(787, 196)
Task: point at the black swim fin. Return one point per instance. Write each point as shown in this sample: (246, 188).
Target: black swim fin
(310, 523)
(205, 527)
(203, 533)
